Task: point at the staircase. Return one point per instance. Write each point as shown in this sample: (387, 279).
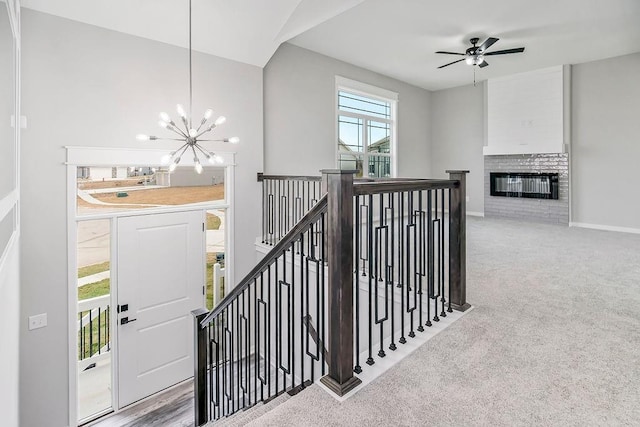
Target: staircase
(355, 270)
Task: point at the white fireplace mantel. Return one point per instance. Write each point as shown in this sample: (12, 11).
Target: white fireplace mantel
(528, 113)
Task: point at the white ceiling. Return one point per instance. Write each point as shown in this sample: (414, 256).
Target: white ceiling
(396, 38)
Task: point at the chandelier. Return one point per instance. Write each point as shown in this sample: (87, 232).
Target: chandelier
(188, 134)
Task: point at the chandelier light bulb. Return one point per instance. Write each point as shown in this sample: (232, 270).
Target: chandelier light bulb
(208, 114)
(198, 166)
(233, 140)
(142, 137)
(181, 112)
(165, 117)
(193, 133)
(166, 159)
(469, 60)
(220, 120)
(174, 165)
(218, 159)
(163, 124)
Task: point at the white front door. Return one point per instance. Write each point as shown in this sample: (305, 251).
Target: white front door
(160, 279)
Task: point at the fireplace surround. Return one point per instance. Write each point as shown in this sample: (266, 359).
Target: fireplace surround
(522, 184)
(548, 210)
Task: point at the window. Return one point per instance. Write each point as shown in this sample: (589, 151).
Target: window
(365, 129)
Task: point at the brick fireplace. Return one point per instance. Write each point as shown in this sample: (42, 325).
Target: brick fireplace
(532, 209)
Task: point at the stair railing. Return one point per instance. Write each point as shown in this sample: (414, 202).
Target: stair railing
(254, 346)
(369, 261)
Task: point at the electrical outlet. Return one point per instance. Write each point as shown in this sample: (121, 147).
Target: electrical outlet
(37, 321)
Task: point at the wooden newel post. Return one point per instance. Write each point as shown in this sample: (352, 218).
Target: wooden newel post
(458, 242)
(339, 187)
(200, 367)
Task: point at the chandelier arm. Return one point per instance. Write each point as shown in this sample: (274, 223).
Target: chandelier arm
(186, 147)
(204, 120)
(205, 131)
(212, 140)
(169, 139)
(195, 155)
(177, 130)
(202, 150)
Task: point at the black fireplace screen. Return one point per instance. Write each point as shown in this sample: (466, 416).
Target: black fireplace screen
(529, 185)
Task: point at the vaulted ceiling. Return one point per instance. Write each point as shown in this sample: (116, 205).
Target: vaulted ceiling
(396, 38)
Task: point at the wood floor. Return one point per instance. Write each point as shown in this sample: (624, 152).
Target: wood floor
(171, 408)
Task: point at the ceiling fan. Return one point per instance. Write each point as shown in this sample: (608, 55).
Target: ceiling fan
(475, 54)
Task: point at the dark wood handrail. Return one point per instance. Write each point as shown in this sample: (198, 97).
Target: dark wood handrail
(393, 185)
(309, 218)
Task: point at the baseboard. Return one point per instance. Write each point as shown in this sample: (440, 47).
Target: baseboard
(472, 213)
(605, 227)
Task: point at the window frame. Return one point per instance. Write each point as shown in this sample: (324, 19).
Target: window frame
(343, 84)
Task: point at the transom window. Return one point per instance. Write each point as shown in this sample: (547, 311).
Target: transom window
(365, 125)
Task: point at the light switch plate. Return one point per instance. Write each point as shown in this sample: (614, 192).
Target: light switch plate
(37, 321)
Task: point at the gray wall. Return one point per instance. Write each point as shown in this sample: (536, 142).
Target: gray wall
(87, 86)
(9, 255)
(299, 120)
(605, 146)
(457, 137)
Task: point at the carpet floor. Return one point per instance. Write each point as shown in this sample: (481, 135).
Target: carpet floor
(554, 339)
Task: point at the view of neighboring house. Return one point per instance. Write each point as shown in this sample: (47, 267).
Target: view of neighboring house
(94, 227)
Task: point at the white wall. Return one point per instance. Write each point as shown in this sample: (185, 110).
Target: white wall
(299, 108)
(88, 86)
(606, 142)
(457, 137)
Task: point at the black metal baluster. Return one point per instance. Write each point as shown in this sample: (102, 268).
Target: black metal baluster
(429, 256)
(382, 270)
(370, 360)
(90, 332)
(292, 322)
(356, 283)
(108, 325)
(449, 309)
(323, 288)
(277, 318)
(435, 221)
(401, 266)
(302, 307)
(420, 253)
(99, 330)
(392, 346)
(442, 257)
(411, 268)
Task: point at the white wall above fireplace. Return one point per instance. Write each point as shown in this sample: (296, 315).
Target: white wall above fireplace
(528, 113)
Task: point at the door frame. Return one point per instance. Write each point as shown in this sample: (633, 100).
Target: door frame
(125, 157)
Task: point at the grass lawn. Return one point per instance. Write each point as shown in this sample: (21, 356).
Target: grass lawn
(93, 290)
(213, 221)
(93, 269)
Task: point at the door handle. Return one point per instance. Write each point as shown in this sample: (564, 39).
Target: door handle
(126, 320)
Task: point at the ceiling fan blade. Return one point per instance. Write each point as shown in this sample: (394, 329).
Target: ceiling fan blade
(483, 64)
(487, 44)
(446, 65)
(504, 52)
(451, 53)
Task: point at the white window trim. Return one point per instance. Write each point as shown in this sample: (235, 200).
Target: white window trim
(109, 156)
(374, 92)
